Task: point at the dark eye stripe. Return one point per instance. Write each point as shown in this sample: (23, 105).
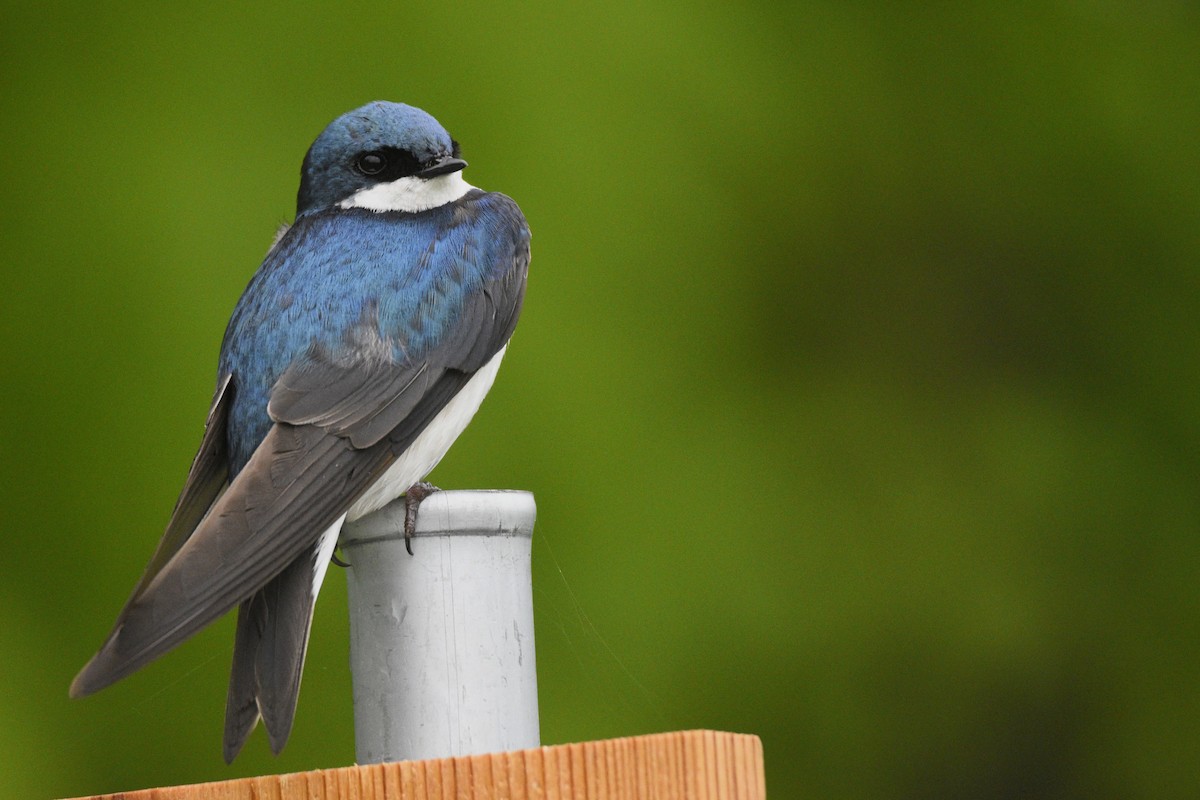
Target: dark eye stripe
(386, 164)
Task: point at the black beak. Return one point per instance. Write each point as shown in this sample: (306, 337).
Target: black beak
(443, 166)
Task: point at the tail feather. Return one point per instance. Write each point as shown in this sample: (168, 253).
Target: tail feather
(269, 649)
(241, 705)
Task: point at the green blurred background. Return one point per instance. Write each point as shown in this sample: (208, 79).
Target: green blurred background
(858, 378)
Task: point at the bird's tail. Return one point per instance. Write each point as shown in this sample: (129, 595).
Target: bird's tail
(269, 648)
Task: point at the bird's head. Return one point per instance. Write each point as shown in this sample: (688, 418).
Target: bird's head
(384, 157)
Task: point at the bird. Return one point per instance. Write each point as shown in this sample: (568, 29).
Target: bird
(358, 352)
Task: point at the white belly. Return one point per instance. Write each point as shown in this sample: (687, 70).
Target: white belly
(428, 448)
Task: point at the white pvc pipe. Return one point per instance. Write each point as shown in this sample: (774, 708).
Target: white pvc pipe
(441, 642)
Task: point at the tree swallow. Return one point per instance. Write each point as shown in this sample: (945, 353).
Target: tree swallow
(358, 353)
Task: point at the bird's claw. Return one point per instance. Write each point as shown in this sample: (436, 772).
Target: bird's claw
(412, 501)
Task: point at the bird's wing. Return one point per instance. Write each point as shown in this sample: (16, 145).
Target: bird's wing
(205, 481)
(340, 419)
(367, 401)
(298, 481)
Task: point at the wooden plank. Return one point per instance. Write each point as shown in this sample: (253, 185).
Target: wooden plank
(683, 765)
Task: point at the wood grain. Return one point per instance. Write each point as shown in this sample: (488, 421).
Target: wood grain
(683, 765)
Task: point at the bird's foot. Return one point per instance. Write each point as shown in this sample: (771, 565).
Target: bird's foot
(412, 500)
(337, 561)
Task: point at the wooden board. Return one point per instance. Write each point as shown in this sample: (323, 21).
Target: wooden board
(684, 765)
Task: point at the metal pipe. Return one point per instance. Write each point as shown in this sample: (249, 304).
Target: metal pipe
(441, 642)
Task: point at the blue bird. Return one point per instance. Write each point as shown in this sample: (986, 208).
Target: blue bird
(358, 353)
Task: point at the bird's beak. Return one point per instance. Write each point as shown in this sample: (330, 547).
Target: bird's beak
(443, 166)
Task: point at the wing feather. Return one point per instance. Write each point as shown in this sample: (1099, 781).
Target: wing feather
(255, 529)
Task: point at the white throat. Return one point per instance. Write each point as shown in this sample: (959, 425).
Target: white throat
(410, 194)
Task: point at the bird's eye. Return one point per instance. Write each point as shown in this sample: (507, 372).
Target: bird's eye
(371, 163)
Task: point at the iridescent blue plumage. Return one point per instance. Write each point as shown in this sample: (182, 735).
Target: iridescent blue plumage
(403, 276)
(359, 351)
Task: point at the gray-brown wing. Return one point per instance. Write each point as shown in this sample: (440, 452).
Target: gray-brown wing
(295, 486)
(205, 480)
(370, 398)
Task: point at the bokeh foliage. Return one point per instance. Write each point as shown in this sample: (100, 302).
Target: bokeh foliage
(858, 382)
